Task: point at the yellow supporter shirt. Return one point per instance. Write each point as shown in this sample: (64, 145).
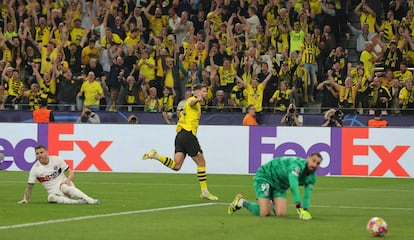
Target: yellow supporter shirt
(189, 117)
(167, 104)
(42, 35)
(169, 79)
(275, 38)
(386, 27)
(89, 53)
(347, 94)
(152, 104)
(15, 87)
(370, 19)
(271, 15)
(91, 90)
(355, 78)
(365, 58)
(47, 60)
(226, 75)
(407, 97)
(255, 96)
(315, 6)
(198, 56)
(144, 69)
(7, 56)
(402, 76)
(239, 96)
(157, 24)
(74, 14)
(159, 72)
(215, 20)
(115, 40)
(309, 53)
(48, 88)
(131, 41)
(280, 97)
(76, 35)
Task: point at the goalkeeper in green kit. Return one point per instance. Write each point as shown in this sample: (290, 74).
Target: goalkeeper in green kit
(274, 178)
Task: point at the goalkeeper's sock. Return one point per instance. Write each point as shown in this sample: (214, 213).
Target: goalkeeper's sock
(252, 207)
(202, 178)
(168, 162)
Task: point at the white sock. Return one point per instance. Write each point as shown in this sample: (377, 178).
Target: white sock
(60, 199)
(74, 192)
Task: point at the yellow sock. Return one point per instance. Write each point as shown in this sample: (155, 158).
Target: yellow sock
(202, 178)
(167, 161)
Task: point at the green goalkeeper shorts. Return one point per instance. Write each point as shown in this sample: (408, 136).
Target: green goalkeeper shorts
(264, 189)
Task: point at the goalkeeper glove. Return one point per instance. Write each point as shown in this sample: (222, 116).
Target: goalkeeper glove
(304, 214)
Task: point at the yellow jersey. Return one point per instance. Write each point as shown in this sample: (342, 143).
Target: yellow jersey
(147, 71)
(226, 75)
(309, 53)
(365, 58)
(364, 81)
(116, 39)
(76, 35)
(402, 76)
(15, 87)
(407, 97)
(132, 41)
(47, 60)
(91, 90)
(167, 103)
(189, 117)
(42, 35)
(239, 95)
(369, 19)
(88, 53)
(255, 96)
(157, 23)
(169, 79)
(215, 20)
(49, 89)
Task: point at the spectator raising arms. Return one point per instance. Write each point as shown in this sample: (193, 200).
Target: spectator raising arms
(178, 44)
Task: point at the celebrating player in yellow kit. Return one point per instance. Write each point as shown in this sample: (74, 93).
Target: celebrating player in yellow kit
(186, 141)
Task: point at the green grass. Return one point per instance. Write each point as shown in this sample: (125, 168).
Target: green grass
(341, 207)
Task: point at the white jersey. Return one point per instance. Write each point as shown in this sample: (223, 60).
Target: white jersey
(50, 175)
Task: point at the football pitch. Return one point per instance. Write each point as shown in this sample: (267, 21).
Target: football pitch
(167, 206)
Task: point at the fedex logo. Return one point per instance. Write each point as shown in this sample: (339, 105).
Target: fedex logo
(49, 136)
(343, 151)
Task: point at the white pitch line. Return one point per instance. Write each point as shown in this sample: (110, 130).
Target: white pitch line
(176, 207)
(102, 216)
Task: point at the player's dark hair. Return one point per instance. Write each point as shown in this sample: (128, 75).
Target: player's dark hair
(39, 147)
(317, 154)
(199, 86)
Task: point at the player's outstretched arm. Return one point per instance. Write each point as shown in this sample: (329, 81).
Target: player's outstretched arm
(27, 193)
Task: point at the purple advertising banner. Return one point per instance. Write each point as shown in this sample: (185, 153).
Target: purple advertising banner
(346, 151)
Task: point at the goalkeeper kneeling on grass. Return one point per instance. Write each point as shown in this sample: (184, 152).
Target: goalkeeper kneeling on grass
(274, 178)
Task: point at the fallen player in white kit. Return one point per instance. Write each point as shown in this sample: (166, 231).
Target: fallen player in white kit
(50, 171)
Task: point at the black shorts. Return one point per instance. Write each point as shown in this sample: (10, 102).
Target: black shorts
(187, 143)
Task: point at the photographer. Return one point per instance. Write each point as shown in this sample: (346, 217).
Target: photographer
(291, 118)
(333, 118)
(88, 116)
(133, 119)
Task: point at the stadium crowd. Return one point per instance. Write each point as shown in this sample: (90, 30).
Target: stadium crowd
(145, 55)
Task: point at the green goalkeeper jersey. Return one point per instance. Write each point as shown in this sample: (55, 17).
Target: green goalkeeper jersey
(288, 172)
